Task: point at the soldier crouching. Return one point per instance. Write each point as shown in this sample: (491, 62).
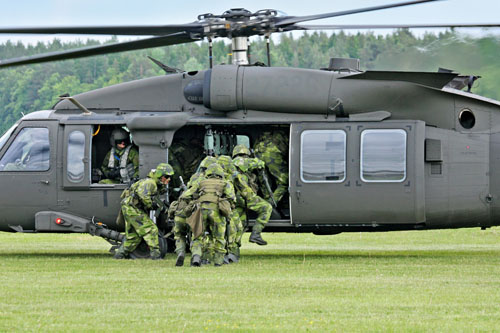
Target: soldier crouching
(216, 198)
(136, 203)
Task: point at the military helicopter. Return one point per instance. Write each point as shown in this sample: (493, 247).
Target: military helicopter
(368, 150)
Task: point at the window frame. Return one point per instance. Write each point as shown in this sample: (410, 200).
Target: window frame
(361, 159)
(301, 169)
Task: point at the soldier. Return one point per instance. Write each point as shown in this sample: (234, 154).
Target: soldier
(272, 148)
(216, 198)
(180, 210)
(136, 203)
(245, 183)
(235, 226)
(185, 156)
(121, 164)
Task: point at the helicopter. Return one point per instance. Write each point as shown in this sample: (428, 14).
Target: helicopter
(368, 150)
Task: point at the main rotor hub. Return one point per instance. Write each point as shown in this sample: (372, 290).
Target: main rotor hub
(239, 22)
(237, 14)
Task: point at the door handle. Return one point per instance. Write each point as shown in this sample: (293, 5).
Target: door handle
(297, 193)
(46, 182)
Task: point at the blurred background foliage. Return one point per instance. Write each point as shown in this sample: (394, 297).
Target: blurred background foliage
(30, 88)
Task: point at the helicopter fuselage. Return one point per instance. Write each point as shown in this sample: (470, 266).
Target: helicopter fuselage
(368, 151)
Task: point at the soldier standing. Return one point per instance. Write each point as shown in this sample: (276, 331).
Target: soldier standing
(234, 225)
(272, 148)
(216, 197)
(136, 203)
(245, 183)
(121, 163)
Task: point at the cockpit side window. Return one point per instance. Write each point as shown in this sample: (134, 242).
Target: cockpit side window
(30, 151)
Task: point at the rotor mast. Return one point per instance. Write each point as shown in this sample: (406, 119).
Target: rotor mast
(238, 24)
(239, 50)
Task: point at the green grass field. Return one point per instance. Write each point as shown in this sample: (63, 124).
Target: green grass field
(415, 281)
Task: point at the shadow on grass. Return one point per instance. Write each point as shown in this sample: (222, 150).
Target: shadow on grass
(45, 255)
(286, 254)
(370, 254)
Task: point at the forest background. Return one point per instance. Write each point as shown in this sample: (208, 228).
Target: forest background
(30, 88)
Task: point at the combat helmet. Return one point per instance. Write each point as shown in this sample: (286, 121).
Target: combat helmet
(163, 169)
(119, 135)
(207, 161)
(241, 150)
(214, 170)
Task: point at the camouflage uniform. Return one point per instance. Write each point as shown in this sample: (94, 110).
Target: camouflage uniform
(180, 208)
(246, 186)
(184, 157)
(235, 225)
(132, 162)
(272, 148)
(211, 192)
(136, 203)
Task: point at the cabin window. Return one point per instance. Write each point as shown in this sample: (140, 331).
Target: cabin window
(323, 156)
(383, 155)
(75, 160)
(30, 151)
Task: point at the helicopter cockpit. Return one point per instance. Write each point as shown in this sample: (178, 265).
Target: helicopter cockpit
(29, 151)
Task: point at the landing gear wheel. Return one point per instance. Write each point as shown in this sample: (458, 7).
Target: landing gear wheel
(142, 251)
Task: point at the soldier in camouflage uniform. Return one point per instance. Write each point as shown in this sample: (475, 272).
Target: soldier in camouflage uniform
(136, 203)
(212, 192)
(185, 156)
(272, 148)
(179, 209)
(245, 184)
(121, 163)
(235, 226)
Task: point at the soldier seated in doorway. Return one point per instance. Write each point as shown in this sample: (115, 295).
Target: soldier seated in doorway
(121, 164)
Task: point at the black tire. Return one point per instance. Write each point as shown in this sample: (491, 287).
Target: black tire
(142, 251)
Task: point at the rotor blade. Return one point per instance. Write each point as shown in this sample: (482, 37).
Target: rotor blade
(108, 30)
(390, 26)
(296, 19)
(172, 39)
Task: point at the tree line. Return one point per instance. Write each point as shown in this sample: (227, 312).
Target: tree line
(30, 88)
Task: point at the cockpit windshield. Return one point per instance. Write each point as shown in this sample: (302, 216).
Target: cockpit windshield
(6, 135)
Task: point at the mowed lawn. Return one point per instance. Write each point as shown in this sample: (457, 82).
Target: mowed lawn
(445, 280)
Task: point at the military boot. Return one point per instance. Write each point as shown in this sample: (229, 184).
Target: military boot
(256, 238)
(120, 255)
(180, 259)
(232, 258)
(196, 260)
(155, 255)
